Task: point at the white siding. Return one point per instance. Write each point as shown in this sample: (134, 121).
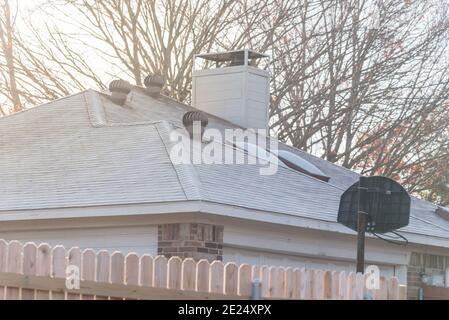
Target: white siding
(239, 95)
(257, 87)
(261, 258)
(141, 240)
(277, 246)
(311, 243)
(220, 87)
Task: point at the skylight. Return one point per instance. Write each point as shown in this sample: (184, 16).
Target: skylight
(283, 158)
(255, 151)
(295, 162)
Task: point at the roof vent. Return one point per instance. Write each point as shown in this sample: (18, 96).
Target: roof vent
(443, 213)
(191, 117)
(119, 91)
(154, 84)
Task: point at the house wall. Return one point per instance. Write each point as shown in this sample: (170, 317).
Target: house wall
(426, 265)
(139, 239)
(255, 257)
(244, 241)
(265, 245)
(191, 240)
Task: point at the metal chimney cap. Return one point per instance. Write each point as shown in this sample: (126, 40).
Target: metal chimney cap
(121, 86)
(154, 80)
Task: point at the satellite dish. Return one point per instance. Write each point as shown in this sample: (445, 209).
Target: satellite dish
(384, 201)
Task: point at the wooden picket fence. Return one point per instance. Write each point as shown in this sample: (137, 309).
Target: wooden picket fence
(38, 272)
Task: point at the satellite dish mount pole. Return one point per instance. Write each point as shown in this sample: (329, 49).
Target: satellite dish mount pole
(361, 228)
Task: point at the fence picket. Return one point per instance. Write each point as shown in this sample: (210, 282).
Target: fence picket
(301, 283)
(296, 283)
(29, 268)
(132, 269)
(174, 273)
(3, 264)
(335, 285)
(289, 283)
(359, 286)
(256, 273)
(15, 266)
(58, 267)
(245, 280)
(160, 277)
(43, 263)
(146, 271)
(189, 275)
(203, 276)
(393, 289)
(74, 260)
(216, 278)
(265, 280)
(88, 269)
(318, 285)
(277, 282)
(350, 286)
(382, 293)
(367, 292)
(231, 278)
(343, 286)
(117, 270)
(308, 286)
(327, 285)
(103, 270)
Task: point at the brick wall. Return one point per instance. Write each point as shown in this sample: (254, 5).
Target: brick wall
(423, 264)
(191, 240)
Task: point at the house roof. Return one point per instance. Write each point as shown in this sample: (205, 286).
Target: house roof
(85, 151)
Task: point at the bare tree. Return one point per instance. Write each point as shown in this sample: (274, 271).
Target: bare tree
(363, 83)
(142, 37)
(371, 95)
(7, 46)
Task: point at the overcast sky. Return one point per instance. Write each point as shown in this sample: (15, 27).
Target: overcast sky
(30, 12)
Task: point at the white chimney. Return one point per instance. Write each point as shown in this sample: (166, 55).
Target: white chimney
(234, 86)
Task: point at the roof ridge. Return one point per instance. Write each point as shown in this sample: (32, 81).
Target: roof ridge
(192, 108)
(95, 109)
(186, 173)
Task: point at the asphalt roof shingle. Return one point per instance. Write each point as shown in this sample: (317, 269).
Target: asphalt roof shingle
(84, 150)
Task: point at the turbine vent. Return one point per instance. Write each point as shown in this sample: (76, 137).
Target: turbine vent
(154, 84)
(191, 117)
(120, 89)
